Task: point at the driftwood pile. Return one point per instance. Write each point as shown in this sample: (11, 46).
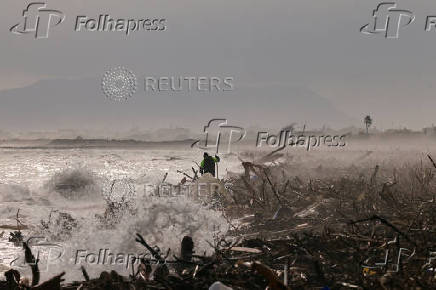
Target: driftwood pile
(373, 230)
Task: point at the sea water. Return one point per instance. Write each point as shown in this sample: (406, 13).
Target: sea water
(77, 183)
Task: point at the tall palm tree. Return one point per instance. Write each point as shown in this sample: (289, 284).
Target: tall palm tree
(368, 122)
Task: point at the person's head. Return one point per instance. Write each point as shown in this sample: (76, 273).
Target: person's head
(205, 154)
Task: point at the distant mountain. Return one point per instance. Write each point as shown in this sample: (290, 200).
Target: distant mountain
(80, 104)
(93, 143)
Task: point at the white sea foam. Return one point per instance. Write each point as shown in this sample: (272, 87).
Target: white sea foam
(72, 182)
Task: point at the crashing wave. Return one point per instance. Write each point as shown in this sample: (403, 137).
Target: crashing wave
(74, 183)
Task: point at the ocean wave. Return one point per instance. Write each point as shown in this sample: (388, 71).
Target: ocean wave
(75, 183)
(163, 222)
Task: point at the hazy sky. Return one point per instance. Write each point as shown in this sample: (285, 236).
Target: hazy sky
(273, 46)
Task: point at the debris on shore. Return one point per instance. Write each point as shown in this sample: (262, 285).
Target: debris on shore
(353, 231)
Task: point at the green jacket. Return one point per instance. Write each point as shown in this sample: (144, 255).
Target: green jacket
(214, 159)
(208, 165)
